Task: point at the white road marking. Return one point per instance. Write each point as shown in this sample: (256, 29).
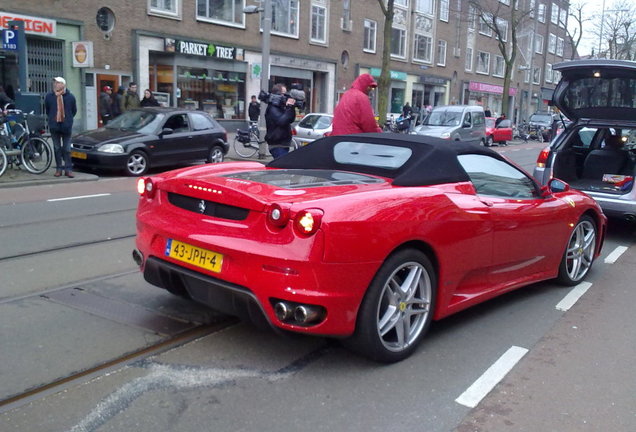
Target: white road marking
(573, 296)
(77, 197)
(495, 373)
(615, 255)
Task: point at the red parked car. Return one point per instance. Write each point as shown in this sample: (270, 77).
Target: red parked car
(366, 238)
(499, 134)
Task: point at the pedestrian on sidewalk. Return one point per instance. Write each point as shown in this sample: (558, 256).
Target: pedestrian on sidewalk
(61, 107)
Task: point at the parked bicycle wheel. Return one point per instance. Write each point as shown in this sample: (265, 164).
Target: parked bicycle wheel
(36, 155)
(3, 161)
(247, 149)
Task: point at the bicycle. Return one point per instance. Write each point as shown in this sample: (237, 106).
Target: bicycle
(21, 143)
(247, 142)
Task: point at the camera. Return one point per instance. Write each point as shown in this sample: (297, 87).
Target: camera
(295, 93)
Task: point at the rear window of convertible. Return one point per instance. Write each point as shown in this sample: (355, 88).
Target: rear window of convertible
(371, 155)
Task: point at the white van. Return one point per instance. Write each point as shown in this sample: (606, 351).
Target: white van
(455, 122)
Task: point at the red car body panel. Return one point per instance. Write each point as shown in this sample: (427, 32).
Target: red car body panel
(480, 247)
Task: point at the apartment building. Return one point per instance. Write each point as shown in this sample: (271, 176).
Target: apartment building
(206, 54)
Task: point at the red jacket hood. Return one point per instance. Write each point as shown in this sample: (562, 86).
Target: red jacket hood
(363, 81)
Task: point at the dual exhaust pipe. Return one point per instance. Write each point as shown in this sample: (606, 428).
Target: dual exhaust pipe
(300, 314)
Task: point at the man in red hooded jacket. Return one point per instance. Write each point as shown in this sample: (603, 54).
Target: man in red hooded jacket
(353, 113)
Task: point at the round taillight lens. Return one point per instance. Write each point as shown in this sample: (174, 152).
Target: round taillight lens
(307, 222)
(146, 187)
(278, 214)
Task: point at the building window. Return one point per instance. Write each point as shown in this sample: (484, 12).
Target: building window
(164, 7)
(506, 2)
(221, 11)
(531, 8)
(500, 66)
(441, 53)
(552, 43)
(318, 23)
(423, 48)
(424, 6)
(346, 15)
(485, 28)
(469, 60)
(398, 42)
(285, 17)
(472, 17)
(502, 26)
(541, 12)
(403, 3)
(548, 72)
(559, 47)
(538, 43)
(443, 10)
(554, 15)
(536, 75)
(483, 63)
(563, 18)
(370, 31)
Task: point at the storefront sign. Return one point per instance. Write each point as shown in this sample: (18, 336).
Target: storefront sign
(32, 25)
(432, 80)
(490, 88)
(395, 75)
(82, 54)
(204, 49)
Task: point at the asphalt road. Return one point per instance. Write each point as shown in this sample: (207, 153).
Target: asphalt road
(72, 302)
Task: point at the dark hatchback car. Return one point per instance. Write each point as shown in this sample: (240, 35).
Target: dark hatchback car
(150, 137)
(596, 153)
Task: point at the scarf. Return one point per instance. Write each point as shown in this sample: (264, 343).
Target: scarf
(59, 117)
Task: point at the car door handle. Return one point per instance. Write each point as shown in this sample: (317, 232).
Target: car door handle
(486, 202)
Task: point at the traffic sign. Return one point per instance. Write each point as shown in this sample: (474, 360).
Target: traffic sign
(10, 39)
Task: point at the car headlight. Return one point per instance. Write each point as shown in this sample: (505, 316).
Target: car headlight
(445, 135)
(111, 148)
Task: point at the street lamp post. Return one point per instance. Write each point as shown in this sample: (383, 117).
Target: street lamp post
(266, 8)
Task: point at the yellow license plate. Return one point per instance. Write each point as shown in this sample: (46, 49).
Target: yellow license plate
(78, 155)
(199, 257)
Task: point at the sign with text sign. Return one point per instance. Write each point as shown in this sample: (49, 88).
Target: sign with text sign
(10, 40)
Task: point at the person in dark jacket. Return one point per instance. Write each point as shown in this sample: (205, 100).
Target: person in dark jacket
(130, 99)
(106, 105)
(117, 102)
(60, 107)
(354, 113)
(149, 99)
(279, 116)
(254, 109)
(4, 99)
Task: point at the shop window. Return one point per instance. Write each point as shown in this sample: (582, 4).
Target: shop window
(221, 11)
(219, 93)
(164, 7)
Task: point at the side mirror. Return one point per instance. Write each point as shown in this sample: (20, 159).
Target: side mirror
(167, 131)
(555, 185)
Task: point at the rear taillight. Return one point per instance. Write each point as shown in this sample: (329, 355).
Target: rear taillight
(308, 221)
(543, 157)
(294, 131)
(146, 187)
(278, 214)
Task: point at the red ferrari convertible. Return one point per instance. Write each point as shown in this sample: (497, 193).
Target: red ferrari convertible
(366, 238)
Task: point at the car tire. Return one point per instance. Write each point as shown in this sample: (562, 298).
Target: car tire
(137, 163)
(216, 154)
(489, 141)
(579, 252)
(401, 298)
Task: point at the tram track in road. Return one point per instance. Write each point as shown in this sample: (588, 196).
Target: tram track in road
(61, 384)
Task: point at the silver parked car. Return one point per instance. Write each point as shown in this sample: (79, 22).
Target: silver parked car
(596, 153)
(456, 123)
(311, 127)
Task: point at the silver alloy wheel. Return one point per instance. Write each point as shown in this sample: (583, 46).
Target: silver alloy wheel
(216, 155)
(137, 163)
(489, 141)
(580, 253)
(404, 306)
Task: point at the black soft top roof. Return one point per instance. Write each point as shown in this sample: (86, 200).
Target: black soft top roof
(433, 160)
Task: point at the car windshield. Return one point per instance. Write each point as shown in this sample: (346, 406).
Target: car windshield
(137, 120)
(443, 118)
(541, 118)
(315, 122)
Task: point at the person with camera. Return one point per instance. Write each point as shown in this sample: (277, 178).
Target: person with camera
(279, 116)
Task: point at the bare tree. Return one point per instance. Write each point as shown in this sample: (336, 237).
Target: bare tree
(618, 31)
(384, 83)
(575, 30)
(505, 22)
